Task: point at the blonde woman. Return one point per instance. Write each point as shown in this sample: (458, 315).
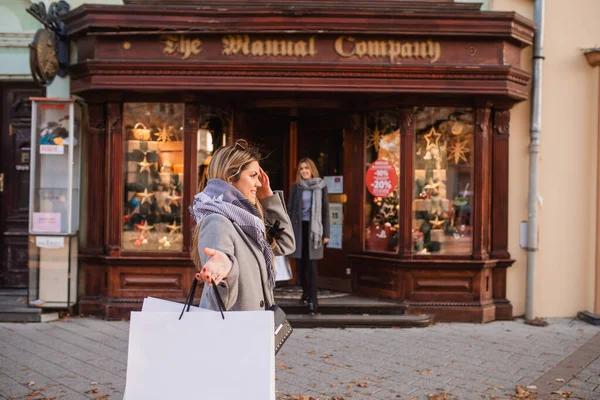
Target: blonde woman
(233, 245)
(308, 207)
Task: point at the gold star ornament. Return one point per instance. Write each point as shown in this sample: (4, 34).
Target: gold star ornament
(144, 165)
(436, 223)
(145, 196)
(432, 139)
(164, 134)
(457, 151)
(144, 227)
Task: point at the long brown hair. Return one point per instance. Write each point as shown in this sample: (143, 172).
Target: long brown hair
(227, 163)
(311, 165)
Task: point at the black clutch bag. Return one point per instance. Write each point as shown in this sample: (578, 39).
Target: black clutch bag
(283, 329)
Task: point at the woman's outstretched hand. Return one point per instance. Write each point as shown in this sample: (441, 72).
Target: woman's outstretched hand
(216, 268)
(265, 190)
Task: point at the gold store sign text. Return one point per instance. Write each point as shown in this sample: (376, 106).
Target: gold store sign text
(182, 45)
(347, 46)
(241, 44)
(344, 46)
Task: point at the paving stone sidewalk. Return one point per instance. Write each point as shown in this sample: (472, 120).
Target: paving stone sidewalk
(86, 358)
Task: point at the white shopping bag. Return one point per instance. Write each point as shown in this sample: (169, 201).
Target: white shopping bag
(284, 271)
(201, 356)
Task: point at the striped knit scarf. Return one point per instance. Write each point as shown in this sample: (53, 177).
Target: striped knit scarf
(222, 198)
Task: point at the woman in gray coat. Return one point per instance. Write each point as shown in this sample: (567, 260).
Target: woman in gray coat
(308, 207)
(240, 225)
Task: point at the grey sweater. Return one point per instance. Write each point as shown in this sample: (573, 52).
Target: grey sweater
(242, 290)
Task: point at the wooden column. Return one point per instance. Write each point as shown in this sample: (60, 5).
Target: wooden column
(95, 180)
(114, 177)
(481, 195)
(407, 150)
(190, 177)
(499, 200)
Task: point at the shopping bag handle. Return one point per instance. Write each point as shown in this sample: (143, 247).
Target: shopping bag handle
(192, 292)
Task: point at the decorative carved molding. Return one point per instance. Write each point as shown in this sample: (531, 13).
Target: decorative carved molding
(501, 76)
(501, 122)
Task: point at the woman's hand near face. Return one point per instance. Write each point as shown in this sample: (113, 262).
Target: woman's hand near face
(216, 268)
(265, 190)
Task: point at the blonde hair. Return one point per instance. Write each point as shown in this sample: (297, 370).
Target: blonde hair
(227, 163)
(311, 165)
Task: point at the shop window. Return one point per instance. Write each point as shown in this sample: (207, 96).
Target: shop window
(382, 178)
(213, 132)
(443, 161)
(153, 146)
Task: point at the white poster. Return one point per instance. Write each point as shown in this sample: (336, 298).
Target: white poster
(335, 237)
(335, 183)
(336, 214)
(50, 242)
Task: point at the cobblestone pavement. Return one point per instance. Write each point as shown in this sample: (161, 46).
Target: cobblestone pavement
(86, 358)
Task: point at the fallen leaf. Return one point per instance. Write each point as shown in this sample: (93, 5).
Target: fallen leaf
(31, 383)
(311, 352)
(94, 390)
(559, 380)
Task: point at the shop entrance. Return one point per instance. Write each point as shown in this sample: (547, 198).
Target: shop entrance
(286, 135)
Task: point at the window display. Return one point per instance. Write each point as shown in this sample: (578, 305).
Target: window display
(152, 213)
(382, 178)
(442, 186)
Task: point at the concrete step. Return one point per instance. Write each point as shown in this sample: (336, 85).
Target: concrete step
(14, 308)
(345, 305)
(359, 321)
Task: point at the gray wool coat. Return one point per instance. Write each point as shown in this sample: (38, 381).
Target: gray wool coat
(242, 289)
(295, 211)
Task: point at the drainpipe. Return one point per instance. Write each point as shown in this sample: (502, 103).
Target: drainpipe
(534, 157)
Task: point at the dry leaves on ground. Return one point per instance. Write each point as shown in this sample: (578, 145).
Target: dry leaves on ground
(565, 394)
(442, 396)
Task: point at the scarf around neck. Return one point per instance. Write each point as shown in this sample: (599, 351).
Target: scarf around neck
(316, 218)
(219, 197)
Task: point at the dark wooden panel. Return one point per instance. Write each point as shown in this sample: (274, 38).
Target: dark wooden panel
(407, 151)
(500, 188)
(145, 281)
(14, 271)
(114, 176)
(481, 195)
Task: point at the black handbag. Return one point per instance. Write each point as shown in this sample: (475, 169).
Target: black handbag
(283, 329)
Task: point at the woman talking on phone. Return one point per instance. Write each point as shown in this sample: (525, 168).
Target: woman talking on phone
(308, 207)
(240, 225)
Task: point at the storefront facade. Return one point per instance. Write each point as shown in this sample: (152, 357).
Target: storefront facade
(404, 105)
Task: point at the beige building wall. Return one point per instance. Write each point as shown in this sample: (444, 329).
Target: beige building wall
(564, 281)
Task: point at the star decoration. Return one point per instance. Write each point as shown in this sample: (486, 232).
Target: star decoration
(145, 196)
(432, 139)
(164, 134)
(144, 227)
(174, 228)
(374, 138)
(144, 165)
(436, 223)
(457, 150)
(173, 198)
(431, 186)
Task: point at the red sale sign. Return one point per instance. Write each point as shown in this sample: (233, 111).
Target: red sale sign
(381, 178)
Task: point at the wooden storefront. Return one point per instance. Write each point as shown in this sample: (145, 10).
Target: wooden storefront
(425, 87)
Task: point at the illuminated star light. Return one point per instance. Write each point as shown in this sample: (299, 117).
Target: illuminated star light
(432, 139)
(164, 134)
(458, 150)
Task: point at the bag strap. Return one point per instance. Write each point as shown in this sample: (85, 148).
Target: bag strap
(192, 292)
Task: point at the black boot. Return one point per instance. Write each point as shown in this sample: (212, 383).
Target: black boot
(312, 308)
